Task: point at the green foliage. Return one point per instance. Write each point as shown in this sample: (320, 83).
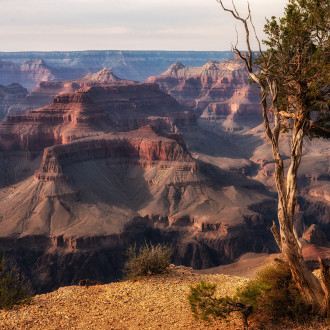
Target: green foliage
(12, 292)
(297, 56)
(204, 304)
(148, 259)
(272, 295)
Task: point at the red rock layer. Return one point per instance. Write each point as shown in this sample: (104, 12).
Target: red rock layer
(143, 145)
(71, 116)
(220, 90)
(91, 111)
(48, 90)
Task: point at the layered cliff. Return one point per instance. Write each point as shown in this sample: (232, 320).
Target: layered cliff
(135, 105)
(94, 196)
(220, 91)
(91, 111)
(142, 147)
(69, 117)
(48, 90)
(30, 72)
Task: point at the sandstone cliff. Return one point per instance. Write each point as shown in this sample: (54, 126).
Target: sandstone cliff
(48, 90)
(30, 72)
(71, 116)
(220, 91)
(91, 111)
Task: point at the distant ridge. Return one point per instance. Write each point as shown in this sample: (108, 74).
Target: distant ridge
(134, 65)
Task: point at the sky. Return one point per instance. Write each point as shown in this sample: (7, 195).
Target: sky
(50, 25)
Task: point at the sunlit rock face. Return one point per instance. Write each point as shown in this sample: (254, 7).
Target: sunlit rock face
(91, 111)
(46, 91)
(219, 91)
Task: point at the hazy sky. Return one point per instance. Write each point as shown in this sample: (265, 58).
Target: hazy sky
(123, 24)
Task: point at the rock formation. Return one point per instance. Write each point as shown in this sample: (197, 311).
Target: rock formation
(69, 117)
(314, 235)
(218, 90)
(89, 111)
(31, 71)
(48, 90)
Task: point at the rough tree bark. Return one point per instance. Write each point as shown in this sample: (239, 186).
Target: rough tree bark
(315, 292)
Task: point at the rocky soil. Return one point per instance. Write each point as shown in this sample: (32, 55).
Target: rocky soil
(158, 302)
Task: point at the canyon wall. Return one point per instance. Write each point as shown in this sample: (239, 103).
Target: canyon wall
(46, 91)
(218, 91)
(91, 111)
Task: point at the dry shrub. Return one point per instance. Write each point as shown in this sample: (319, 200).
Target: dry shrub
(148, 259)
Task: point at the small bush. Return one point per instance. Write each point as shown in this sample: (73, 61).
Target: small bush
(148, 259)
(271, 296)
(274, 294)
(12, 292)
(204, 304)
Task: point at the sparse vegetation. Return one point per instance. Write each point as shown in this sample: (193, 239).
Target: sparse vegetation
(12, 292)
(148, 259)
(204, 304)
(271, 296)
(293, 75)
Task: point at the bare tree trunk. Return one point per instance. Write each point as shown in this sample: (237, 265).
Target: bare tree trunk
(325, 269)
(287, 240)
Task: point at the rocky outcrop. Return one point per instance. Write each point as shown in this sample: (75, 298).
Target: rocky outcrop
(71, 116)
(48, 90)
(218, 90)
(142, 147)
(91, 111)
(135, 105)
(9, 96)
(30, 72)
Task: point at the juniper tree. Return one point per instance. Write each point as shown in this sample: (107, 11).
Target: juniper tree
(293, 76)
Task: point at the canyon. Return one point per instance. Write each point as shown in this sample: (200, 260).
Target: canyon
(91, 165)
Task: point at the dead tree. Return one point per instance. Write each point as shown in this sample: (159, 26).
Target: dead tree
(297, 111)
